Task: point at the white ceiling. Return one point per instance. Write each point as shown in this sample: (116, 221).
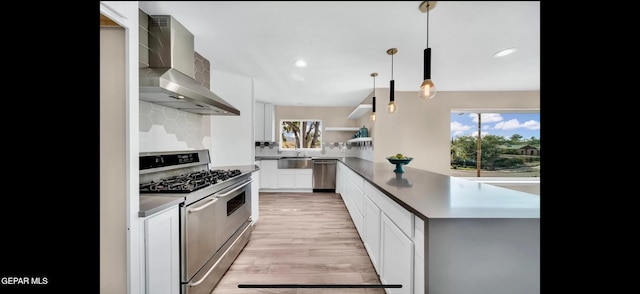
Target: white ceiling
(343, 42)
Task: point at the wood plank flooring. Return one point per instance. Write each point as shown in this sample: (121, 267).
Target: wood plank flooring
(301, 238)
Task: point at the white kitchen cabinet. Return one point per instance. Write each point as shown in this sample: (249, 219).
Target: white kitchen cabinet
(161, 252)
(258, 122)
(418, 271)
(286, 179)
(255, 194)
(396, 258)
(339, 175)
(355, 200)
(372, 232)
(295, 178)
(304, 178)
(264, 122)
(268, 174)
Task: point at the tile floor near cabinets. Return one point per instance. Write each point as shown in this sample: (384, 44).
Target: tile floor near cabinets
(301, 238)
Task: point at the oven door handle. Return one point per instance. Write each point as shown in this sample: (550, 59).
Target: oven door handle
(211, 200)
(234, 189)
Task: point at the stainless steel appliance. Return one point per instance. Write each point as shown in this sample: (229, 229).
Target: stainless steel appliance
(215, 218)
(324, 175)
(169, 79)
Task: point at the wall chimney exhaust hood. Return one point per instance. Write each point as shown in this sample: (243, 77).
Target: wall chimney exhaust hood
(170, 78)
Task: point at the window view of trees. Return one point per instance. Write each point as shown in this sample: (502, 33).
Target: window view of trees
(300, 134)
(497, 148)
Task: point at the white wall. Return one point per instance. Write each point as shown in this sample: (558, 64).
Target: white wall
(421, 128)
(232, 136)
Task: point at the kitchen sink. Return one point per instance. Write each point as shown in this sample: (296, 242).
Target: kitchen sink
(295, 162)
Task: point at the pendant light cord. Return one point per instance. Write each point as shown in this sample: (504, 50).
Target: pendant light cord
(374, 86)
(428, 24)
(392, 66)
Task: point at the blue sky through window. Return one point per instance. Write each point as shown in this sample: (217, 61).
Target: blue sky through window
(500, 124)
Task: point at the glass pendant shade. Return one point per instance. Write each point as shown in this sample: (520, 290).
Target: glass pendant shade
(427, 89)
(392, 107)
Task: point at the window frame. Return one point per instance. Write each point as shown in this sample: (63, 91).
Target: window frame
(281, 130)
(497, 179)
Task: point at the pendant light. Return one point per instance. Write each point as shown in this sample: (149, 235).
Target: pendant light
(372, 117)
(392, 107)
(427, 88)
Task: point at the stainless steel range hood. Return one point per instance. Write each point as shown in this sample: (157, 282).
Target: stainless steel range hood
(169, 80)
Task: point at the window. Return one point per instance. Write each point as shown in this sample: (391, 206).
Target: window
(509, 144)
(300, 134)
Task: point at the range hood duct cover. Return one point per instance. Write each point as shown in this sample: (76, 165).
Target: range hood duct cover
(169, 79)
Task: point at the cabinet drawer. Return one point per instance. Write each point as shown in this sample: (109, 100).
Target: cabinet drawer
(400, 216)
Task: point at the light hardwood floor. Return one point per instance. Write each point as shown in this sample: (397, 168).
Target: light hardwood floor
(301, 238)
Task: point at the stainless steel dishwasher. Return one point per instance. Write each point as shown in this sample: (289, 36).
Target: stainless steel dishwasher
(324, 175)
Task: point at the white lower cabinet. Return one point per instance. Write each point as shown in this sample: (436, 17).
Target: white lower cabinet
(396, 257)
(339, 175)
(162, 252)
(372, 232)
(392, 235)
(304, 178)
(274, 178)
(295, 178)
(268, 174)
(418, 271)
(355, 195)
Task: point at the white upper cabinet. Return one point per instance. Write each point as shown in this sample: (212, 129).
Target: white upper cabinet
(264, 122)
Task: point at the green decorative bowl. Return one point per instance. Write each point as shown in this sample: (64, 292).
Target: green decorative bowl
(399, 163)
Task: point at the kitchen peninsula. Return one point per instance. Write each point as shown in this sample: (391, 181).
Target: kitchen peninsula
(439, 234)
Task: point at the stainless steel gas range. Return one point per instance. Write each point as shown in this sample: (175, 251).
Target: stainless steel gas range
(215, 217)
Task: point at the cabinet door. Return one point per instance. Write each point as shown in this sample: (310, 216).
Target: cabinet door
(396, 257)
(286, 179)
(255, 195)
(339, 171)
(353, 195)
(269, 123)
(372, 232)
(304, 178)
(258, 122)
(269, 174)
(162, 261)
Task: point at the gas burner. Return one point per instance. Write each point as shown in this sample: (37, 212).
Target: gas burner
(187, 183)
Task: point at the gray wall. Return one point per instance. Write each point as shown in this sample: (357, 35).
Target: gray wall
(497, 256)
(113, 213)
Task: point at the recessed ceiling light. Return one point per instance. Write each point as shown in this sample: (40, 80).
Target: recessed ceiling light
(301, 63)
(505, 52)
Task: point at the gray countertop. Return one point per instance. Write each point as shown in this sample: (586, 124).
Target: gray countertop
(432, 195)
(150, 204)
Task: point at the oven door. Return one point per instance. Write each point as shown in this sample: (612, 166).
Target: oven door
(233, 209)
(200, 239)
